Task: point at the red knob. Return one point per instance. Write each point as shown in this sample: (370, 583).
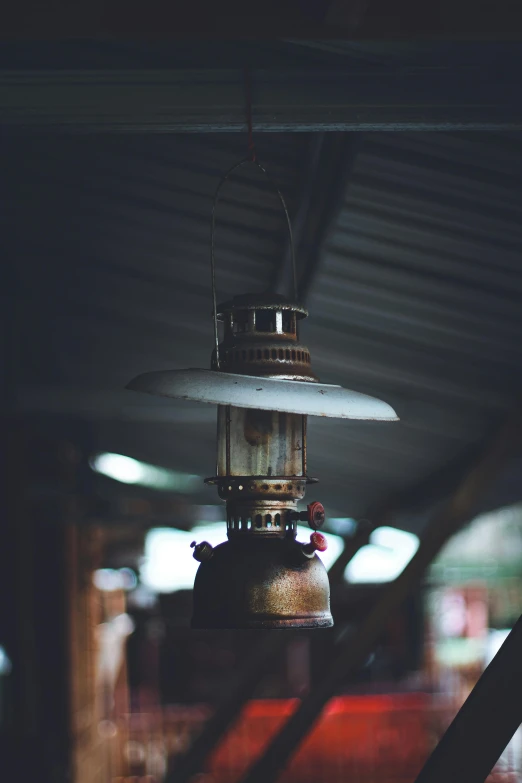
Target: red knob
(317, 543)
(316, 515)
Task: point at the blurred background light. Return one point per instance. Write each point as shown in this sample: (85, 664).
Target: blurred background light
(384, 558)
(5, 663)
(131, 471)
(496, 638)
(344, 526)
(109, 579)
(168, 563)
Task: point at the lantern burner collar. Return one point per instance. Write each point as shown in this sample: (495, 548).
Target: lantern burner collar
(260, 302)
(261, 338)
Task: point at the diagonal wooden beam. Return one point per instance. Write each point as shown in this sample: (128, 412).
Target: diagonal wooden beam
(485, 723)
(282, 280)
(458, 510)
(327, 173)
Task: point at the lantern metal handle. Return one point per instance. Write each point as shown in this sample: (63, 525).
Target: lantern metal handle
(224, 178)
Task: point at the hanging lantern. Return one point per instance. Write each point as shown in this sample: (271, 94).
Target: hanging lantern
(263, 383)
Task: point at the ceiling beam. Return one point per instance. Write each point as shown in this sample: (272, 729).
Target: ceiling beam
(316, 19)
(311, 100)
(326, 177)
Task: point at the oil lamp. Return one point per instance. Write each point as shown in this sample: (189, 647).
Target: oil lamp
(262, 381)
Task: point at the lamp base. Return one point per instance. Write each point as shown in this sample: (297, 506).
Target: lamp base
(257, 583)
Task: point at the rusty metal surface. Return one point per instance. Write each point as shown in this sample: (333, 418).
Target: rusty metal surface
(262, 443)
(261, 578)
(261, 583)
(261, 337)
(261, 505)
(277, 357)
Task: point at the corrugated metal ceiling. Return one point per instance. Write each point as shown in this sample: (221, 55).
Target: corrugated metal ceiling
(417, 300)
(115, 237)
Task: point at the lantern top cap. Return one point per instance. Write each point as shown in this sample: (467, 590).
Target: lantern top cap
(264, 301)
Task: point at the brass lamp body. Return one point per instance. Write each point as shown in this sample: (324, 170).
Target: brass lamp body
(262, 577)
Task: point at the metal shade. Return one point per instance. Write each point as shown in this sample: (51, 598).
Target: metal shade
(248, 391)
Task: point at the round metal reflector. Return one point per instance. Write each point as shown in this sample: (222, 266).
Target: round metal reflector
(248, 391)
